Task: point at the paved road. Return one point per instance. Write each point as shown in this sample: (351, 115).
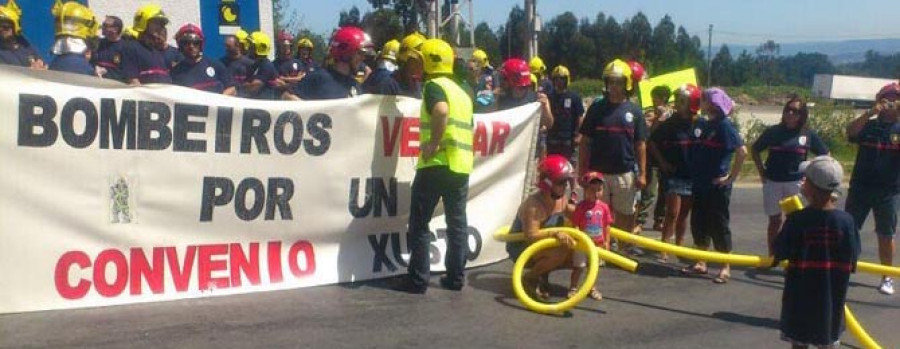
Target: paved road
(658, 308)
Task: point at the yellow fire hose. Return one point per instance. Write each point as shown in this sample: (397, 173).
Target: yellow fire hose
(585, 244)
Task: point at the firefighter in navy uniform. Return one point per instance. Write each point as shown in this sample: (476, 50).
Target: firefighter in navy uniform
(304, 55)
(74, 25)
(262, 78)
(196, 70)
(409, 75)
(290, 70)
(349, 47)
(381, 81)
(445, 162)
(236, 60)
(107, 59)
(14, 48)
(144, 60)
(568, 112)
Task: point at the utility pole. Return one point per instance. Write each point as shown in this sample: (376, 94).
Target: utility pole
(471, 24)
(433, 18)
(709, 58)
(529, 19)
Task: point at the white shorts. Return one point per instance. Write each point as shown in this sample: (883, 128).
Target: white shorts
(620, 192)
(773, 192)
(579, 259)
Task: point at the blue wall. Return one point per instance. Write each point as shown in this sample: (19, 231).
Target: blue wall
(209, 11)
(37, 23)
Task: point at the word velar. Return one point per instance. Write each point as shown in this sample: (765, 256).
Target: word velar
(113, 272)
(149, 125)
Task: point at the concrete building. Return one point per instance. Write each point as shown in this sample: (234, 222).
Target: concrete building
(217, 18)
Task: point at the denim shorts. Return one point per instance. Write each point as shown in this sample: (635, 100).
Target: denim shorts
(679, 186)
(883, 203)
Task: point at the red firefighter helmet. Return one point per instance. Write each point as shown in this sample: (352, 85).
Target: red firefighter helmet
(284, 36)
(189, 31)
(692, 93)
(516, 72)
(637, 71)
(347, 41)
(553, 168)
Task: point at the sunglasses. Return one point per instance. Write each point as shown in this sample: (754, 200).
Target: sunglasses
(561, 182)
(792, 111)
(186, 43)
(6, 26)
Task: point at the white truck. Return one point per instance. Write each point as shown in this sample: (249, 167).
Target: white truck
(855, 90)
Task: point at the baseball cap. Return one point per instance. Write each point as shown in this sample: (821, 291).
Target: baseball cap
(591, 176)
(824, 172)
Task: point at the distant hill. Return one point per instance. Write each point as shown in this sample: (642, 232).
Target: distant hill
(840, 52)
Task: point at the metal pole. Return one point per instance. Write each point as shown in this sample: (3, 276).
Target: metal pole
(709, 58)
(529, 19)
(438, 19)
(432, 21)
(471, 24)
(455, 9)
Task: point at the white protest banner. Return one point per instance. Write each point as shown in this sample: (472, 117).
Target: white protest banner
(117, 195)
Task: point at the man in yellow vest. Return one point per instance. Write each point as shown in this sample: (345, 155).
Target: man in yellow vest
(445, 162)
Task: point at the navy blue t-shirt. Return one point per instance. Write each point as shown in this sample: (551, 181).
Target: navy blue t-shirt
(326, 84)
(712, 149)
(614, 129)
(787, 149)
(822, 247)
(878, 156)
(289, 67)
(673, 139)
(22, 56)
(206, 74)
(409, 89)
(566, 108)
(308, 65)
(146, 64)
(72, 63)
(173, 56)
(381, 82)
(545, 86)
(508, 101)
(263, 70)
(109, 56)
(239, 69)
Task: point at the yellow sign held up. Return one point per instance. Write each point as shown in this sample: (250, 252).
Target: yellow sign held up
(673, 80)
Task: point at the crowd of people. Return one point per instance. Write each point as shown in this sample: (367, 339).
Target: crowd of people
(678, 160)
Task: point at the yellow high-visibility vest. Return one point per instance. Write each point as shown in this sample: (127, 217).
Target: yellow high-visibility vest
(455, 150)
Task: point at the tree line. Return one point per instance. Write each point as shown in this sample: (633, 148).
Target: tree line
(586, 45)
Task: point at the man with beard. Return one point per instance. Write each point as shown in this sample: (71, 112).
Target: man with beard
(108, 58)
(144, 60)
(14, 48)
(236, 60)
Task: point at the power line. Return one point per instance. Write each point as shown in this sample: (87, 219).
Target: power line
(829, 37)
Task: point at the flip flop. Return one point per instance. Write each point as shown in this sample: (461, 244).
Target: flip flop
(721, 279)
(693, 270)
(596, 295)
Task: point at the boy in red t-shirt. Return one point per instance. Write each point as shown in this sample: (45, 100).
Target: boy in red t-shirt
(593, 217)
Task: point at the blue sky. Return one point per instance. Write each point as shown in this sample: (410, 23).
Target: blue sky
(734, 21)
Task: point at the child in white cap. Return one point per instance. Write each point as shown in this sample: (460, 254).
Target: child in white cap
(821, 244)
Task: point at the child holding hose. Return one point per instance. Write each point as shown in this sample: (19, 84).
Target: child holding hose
(821, 244)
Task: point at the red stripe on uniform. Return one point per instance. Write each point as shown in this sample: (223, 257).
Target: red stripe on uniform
(880, 146)
(788, 150)
(827, 265)
(155, 71)
(615, 129)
